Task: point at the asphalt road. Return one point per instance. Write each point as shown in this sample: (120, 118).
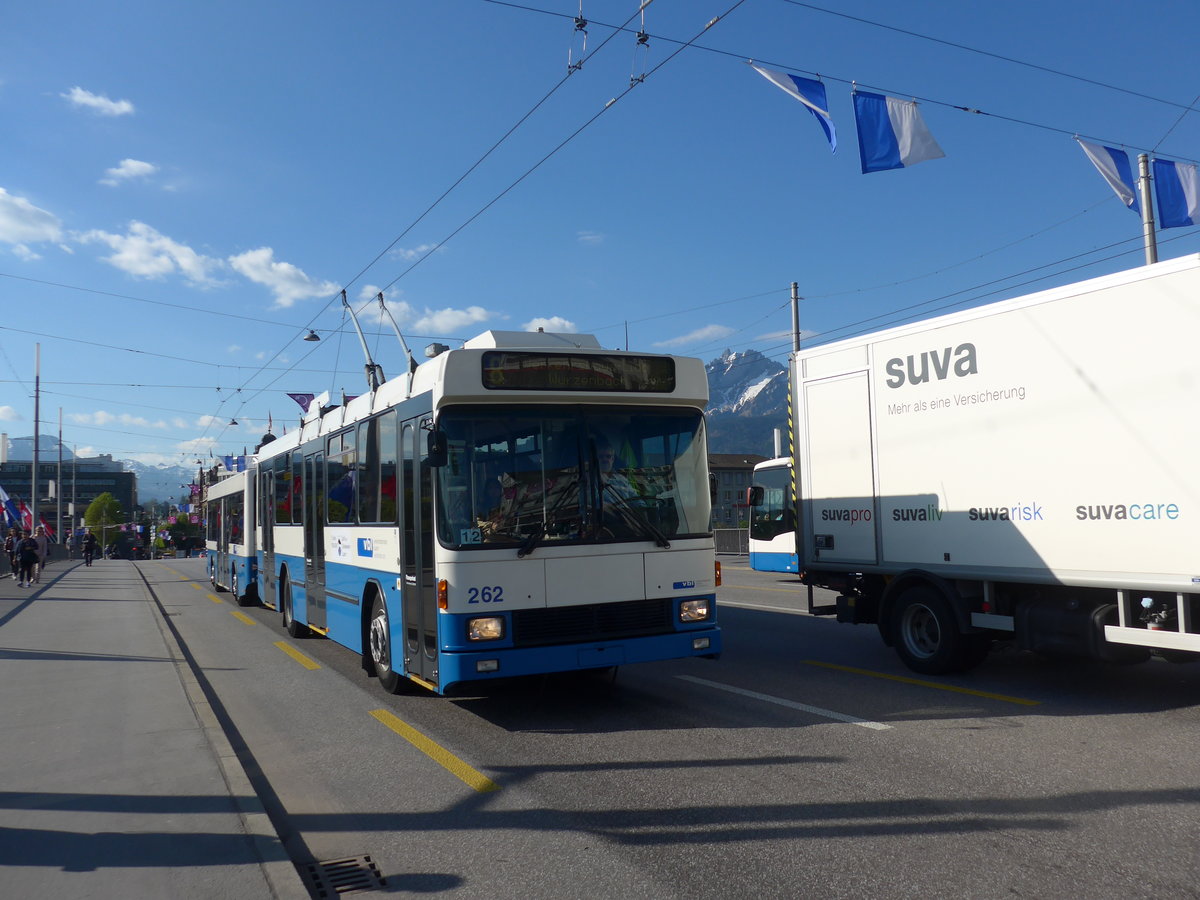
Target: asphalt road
(807, 761)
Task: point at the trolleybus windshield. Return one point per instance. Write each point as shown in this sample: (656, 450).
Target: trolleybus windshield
(524, 475)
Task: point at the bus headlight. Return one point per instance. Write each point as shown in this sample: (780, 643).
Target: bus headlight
(693, 610)
(490, 628)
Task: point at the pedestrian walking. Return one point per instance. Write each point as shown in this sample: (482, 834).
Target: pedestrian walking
(89, 547)
(27, 557)
(43, 545)
(10, 550)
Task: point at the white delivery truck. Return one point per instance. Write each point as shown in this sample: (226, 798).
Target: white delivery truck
(1027, 470)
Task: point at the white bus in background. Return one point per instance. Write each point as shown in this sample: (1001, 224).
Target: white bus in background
(529, 503)
(229, 538)
(773, 518)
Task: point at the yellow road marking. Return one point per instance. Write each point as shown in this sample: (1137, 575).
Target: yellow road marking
(437, 753)
(242, 617)
(196, 586)
(929, 684)
(299, 657)
(214, 598)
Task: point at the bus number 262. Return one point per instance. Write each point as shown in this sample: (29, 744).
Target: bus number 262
(485, 594)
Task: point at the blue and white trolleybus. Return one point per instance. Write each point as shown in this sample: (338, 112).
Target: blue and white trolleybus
(528, 503)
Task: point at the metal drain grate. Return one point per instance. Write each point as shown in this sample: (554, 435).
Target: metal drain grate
(335, 877)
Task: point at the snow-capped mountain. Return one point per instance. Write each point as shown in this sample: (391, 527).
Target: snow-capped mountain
(161, 483)
(747, 401)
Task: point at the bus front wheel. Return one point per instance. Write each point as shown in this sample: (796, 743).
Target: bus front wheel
(380, 637)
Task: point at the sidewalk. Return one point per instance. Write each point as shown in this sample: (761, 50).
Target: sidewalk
(115, 780)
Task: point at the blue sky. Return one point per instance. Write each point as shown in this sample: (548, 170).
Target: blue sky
(186, 187)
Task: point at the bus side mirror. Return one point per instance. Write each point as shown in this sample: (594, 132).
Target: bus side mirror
(436, 448)
(712, 488)
(754, 495)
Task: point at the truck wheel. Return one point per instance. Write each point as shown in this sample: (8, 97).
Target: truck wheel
(380, 639)
(927, 637)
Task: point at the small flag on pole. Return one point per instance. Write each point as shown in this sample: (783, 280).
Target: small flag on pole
(1114, 165)
(1177, 190)
(891, 133)
(809, 92)
(303, 399)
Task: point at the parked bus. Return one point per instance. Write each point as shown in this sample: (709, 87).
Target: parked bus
(773, 518)
(529, 503)
(229, 538)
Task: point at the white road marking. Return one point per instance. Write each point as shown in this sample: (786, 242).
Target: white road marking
(790, 704)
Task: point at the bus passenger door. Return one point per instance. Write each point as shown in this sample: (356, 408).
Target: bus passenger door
(419, 595)
(314, 539)
(266, 519)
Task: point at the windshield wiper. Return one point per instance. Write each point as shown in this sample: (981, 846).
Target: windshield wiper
(634, 517)
(532, 540)
(535, 537)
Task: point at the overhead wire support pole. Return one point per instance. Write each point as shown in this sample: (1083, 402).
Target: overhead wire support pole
(1148, 236)
(373, 370)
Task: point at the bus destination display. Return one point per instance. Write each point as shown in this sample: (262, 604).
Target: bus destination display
(514, 371)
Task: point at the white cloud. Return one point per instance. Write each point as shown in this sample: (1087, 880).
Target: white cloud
(233, 348)
(177, 422)
(589, 238)
(414, 253)
(196, 448)
(127, 170)
(288, 283)
(145, 253)
(554, 323)
(206, 421)
(102, 417)
(448, 321)
(98, 103)
(700, 335)
(22, 223)
(8, 414)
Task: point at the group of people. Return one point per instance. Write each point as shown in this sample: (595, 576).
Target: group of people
(27, 553)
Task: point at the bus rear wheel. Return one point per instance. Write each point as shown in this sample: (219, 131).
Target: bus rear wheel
(379, 636)
(294, 628)
(242, 599)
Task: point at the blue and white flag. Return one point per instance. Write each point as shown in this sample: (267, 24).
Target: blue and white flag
(1114, 165)
(809, 92)
(891, 133)
(11, 514)
(1177, 190)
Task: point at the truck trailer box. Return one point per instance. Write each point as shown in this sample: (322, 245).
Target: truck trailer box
(1047, 439)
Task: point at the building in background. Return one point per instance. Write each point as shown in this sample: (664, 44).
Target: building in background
(734, 472)
(83, 479)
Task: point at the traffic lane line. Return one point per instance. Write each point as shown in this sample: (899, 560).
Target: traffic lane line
(241, 616)
(299, 657)
(214, 598)
(904, 679)
(439, 754)
(759, 607)
(790, 704)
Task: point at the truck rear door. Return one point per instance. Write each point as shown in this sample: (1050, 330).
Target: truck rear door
(840, 509)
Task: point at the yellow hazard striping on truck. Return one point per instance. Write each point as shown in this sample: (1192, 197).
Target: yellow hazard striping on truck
(299, 657)
(929, 684)
(437, 753)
